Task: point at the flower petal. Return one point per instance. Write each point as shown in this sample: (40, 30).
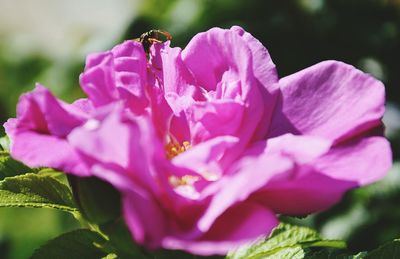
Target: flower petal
(143, 217)
(251, 174)
(265, 72)
(311, 192)
(39, 150)
(136, 152)
(221, 62)
(273, 161)
(99, 135)
(175, 75)
(84, 105)
(239, 224)
(320, 183)
(40, 111)
(97, 80)
(215, 118)
(263, 67)
(119, 74)
(363, 160)
(330, 99)
(38, 134)
(211, 156)
(261, 163)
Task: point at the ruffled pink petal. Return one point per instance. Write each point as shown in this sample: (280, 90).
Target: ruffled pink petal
(41, 112)
(300, 148)
(363, 160)
(10, 126)
(211, 119)
(330, 99)
(117, 75)
(130, 64)
(315, 185)
(179, 129)
(38, 150)
(144, 217)
(221, 62)
(232, 229)
(290, 156)
(84, 105)
(263, 67)
(100, 136)
(97, 81)
(217, 54)
(121, 141)
(38, 133)
(161, 112)
(301, 195)
(211, 156)
(175, 76)
(265, 71)
(251, 174)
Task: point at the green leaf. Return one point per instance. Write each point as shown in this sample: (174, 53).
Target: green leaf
(10, 167)
(120, 240)
(285, 241)
(388, 250)
(176, 254)
(35, 191)
(5, 143)
(60, 176)
(98, 201)
(339, 244)
(81, 243)
(329, 254)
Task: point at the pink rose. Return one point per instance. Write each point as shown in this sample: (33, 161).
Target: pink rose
(206, 144)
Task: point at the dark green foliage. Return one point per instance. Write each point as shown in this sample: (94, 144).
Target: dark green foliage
(98, 201)
(120, 240)
(80, 243)
(389, 250)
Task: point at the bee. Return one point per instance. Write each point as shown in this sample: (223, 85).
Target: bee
(151, 37)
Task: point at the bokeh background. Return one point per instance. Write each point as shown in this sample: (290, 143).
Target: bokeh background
(46, 41)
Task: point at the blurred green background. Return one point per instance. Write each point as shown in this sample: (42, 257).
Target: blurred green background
(46, 41)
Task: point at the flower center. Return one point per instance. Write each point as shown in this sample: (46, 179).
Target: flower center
(173, 149)
(182, 181)
(184, 185)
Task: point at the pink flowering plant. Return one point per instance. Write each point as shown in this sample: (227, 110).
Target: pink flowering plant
(199, 149)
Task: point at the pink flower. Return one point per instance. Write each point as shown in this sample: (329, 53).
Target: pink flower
(206, 144)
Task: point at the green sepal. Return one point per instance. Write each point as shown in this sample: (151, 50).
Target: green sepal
(120, 241)
(97, 200)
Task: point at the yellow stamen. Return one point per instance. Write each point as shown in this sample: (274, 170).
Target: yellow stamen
(209, 176)
(182, 181)
(173, 149)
